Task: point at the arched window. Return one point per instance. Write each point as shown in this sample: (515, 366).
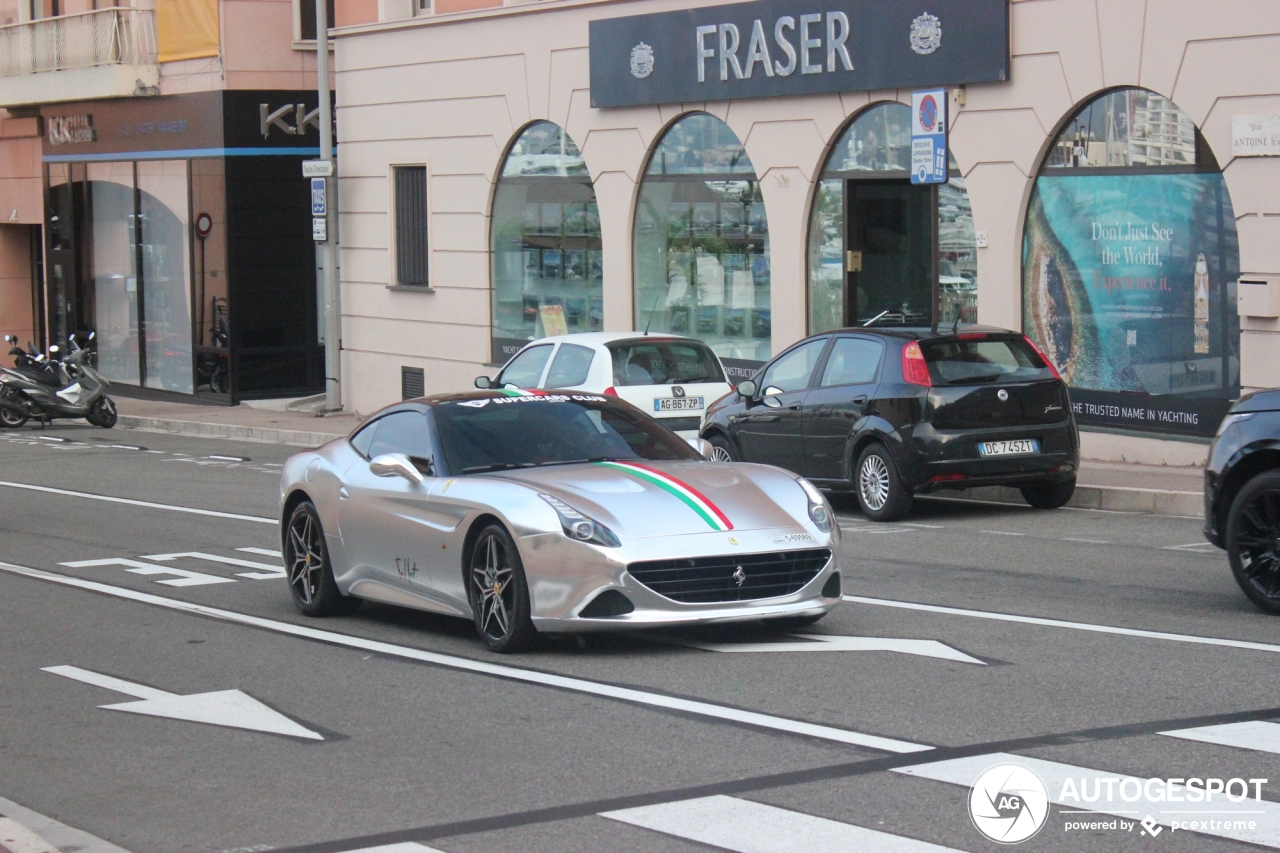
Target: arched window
(867, 213)
(547, 265)
(1129, 263)
(702, 242)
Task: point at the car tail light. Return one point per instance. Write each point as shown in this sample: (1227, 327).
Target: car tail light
(611, 391)
(973, 336)
(914, 369)
(946, 478)
(1043, 357)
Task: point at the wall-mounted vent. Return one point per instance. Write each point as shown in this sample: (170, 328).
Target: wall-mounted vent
(413, 383)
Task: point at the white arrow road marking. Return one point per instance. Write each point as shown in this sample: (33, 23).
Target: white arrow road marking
(268, 571)
(1257, 735)
(229, 708)
(266, 552)
(528, 676)
(826, 643)
(184, 577)
(402, 847)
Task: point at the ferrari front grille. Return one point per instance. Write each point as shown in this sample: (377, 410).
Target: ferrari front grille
(731, 577)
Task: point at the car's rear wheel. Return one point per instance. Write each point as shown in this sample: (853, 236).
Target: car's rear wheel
(306, 559)
(1048, 495)
(499, 593)
(722, 449)
(1253, 540)
(882, 495)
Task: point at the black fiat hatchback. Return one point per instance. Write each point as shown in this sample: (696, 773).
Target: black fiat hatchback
(895, 412)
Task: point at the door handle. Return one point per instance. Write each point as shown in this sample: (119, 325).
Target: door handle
(795, 407)
(342, 493)
(860, 399)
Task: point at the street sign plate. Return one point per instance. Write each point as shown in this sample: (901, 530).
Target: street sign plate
(317, 168)
(929, 137)
(318, 204)
(319, 229)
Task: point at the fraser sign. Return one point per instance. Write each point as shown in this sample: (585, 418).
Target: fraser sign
(795, 47)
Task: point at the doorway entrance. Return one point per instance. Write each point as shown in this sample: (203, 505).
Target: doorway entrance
(889, 253)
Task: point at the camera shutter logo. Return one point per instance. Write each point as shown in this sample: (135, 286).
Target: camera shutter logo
(1008, 803)
(641, 60)
(926, 34)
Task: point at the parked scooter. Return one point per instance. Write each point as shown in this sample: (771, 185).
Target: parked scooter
(69, 388)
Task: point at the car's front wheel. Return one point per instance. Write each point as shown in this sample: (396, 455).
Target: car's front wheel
(1253, 540)
(882, 495)
(499, 593)
(306, 559)
(1048, 495)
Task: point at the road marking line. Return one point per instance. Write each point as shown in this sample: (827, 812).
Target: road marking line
(751, 827)
(1257, 735)
(836, 643)
(266, 552)
(577, 685)
(1194, 547)
(16, 838)
(929, 526)
(1058, 623)
(406, 847)
(1265, 815)
(1002, 533)
(267, 572)
(184, 577)
(146, 504)
(1089, 541)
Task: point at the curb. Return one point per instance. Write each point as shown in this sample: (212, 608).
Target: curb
(1114, 498)
(16, 838)
(265, 435)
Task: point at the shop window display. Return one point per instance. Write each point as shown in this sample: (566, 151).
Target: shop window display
(876, 146)
(1130, 258)
(702, 242)
(548, 269)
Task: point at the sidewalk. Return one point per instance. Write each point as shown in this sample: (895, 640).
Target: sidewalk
(1162, 490)
(240, 423)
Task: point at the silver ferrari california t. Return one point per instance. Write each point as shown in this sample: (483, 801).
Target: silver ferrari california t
(562, 513)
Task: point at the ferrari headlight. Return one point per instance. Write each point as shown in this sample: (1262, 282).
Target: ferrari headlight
(579, 527)
(818, 509)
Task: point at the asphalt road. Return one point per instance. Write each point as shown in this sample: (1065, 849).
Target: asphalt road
(1089, 633)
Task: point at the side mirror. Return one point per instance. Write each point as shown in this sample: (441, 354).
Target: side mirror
(484, 382)
(395, 465)
(747, 388)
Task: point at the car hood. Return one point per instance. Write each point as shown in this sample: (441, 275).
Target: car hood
(1259, 401)
(642, 499)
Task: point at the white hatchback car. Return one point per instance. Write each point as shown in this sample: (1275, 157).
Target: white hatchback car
(673, 378)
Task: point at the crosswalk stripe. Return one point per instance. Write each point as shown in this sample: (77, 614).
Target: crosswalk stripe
(1264, 815)
(1257, 735)
(750, 827)
(403, 847)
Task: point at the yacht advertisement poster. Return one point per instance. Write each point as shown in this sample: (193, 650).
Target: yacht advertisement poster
(1128, 286)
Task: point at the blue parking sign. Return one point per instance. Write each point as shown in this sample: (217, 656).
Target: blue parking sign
(319, 207)
(929, 137)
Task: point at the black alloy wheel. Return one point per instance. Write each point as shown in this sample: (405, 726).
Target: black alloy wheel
(306, 560)
(1048, 495)
(722, 450)
(882, 496)
(1253, 540)
(102, 413)
(498, 592)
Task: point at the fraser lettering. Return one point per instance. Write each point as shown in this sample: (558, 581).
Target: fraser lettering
(804, 46)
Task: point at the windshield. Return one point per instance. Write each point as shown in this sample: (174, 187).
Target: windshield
(496, 433)
(655, 361)
(983, 359)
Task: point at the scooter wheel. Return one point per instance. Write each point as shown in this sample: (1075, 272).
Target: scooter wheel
(11, 417)
(102, 413)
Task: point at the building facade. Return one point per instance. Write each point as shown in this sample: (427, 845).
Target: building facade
(156, 177)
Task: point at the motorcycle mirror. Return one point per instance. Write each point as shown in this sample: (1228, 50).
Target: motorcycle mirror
(91, 334)
(53, 348)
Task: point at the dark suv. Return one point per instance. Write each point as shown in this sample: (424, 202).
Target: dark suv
(1242, 495)
(891, 413)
